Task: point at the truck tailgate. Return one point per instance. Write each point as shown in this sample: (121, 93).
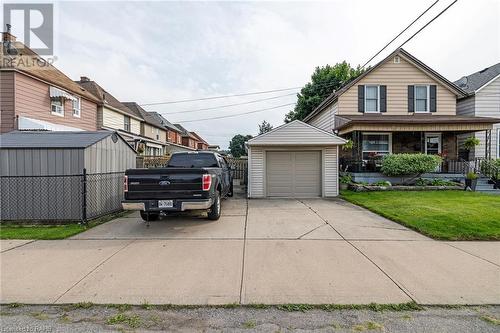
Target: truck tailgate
(165, 183)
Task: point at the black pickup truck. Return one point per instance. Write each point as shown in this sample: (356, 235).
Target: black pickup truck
(191, 181)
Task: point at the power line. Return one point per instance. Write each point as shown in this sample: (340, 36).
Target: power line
(235, 95)
(235, 115)
(435, 17)
(392, 40)
(228, 105)
(217, 97)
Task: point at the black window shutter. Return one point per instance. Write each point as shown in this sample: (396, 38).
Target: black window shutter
(411, 98)
(432, 101)
(383, 98)
(361, 98)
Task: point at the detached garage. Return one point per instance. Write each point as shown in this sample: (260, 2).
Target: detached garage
(295, 160)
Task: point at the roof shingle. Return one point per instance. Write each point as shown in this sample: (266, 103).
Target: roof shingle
(474, 81)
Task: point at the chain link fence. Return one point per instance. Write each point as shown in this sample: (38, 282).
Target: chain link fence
(60, 197)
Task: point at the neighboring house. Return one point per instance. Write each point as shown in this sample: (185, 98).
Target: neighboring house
(188, 139)
(36, 95)
(152, 128)
(113, 115)
(201, 144)
(400, 105)
(483, 100)
(174, 134)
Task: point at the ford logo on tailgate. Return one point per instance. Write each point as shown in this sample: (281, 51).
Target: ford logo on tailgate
(164, 183)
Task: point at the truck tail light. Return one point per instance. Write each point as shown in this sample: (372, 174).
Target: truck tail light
(125, 184)
(206, 182)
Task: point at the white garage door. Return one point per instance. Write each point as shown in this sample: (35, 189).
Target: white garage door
(293, 174)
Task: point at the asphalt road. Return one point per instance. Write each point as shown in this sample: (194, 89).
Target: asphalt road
(146, 318)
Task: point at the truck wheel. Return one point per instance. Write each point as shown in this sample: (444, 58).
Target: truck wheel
(152, 216)
(231, 191)
(214, 211)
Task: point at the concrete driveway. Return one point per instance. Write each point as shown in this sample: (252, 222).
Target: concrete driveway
(260, 251)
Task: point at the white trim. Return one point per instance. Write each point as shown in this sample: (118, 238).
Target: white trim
(428, 104)
(61, 100)
(26, 123)
(378, 98)
(78, 115)
(486, 84)
(339, 140)
(433, 134)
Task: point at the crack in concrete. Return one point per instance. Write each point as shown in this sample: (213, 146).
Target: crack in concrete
(93, 270)
(397, 284)
(18, 246)
(244, 253)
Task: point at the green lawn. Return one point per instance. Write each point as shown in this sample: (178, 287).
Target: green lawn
(450, 215)
(23, 231)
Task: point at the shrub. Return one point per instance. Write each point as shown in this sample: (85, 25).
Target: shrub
(491, 168)
(346, 178)
(409, 164)
(472, 175)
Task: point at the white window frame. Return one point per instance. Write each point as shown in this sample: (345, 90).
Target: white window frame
(428, 104)
(378, 98)
(76, 111)
(61, 107)
(129, 123)
(373, 151)
(431, 134)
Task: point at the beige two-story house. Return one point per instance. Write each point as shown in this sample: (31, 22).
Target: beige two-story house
(400, 105)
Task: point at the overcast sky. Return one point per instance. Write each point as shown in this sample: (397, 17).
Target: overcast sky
(160, 51)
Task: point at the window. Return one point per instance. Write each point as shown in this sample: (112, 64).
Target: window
(421, 98)
(57, 106)
(376, 145)
(372, 94)
(126, 123)
(157, 134)
(76, 107)
(193, 160)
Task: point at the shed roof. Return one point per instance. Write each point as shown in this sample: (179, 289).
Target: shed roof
(48, 139)
(296, 133)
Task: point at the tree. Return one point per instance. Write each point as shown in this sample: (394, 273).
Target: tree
(237, 145)
(265, 127)
(324, 81)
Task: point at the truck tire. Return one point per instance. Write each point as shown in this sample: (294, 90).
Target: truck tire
(152, 216)
(214, 211)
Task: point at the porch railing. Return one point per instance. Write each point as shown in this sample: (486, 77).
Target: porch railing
(457, 166)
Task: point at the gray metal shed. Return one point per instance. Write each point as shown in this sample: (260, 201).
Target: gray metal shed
(42, 174)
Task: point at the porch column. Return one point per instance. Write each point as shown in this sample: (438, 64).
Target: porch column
(487, 144)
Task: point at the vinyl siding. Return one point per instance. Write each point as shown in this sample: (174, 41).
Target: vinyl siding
(466, 106)
(114, 119)
(7, 107)
(397, 77)
(325, 119)
(150, 132)
(331, 172)
(32, 100)
(486, 103)
(256, 172)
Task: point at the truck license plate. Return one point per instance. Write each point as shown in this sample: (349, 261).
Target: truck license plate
(165, 203)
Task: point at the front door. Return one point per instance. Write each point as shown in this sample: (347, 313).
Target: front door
(433, 143)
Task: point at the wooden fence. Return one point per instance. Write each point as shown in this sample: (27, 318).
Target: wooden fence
(152, 161)
(239, 166)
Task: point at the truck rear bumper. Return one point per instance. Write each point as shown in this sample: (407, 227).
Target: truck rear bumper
(179, 205)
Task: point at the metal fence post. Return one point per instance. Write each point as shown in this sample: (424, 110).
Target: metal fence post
(84, 196)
